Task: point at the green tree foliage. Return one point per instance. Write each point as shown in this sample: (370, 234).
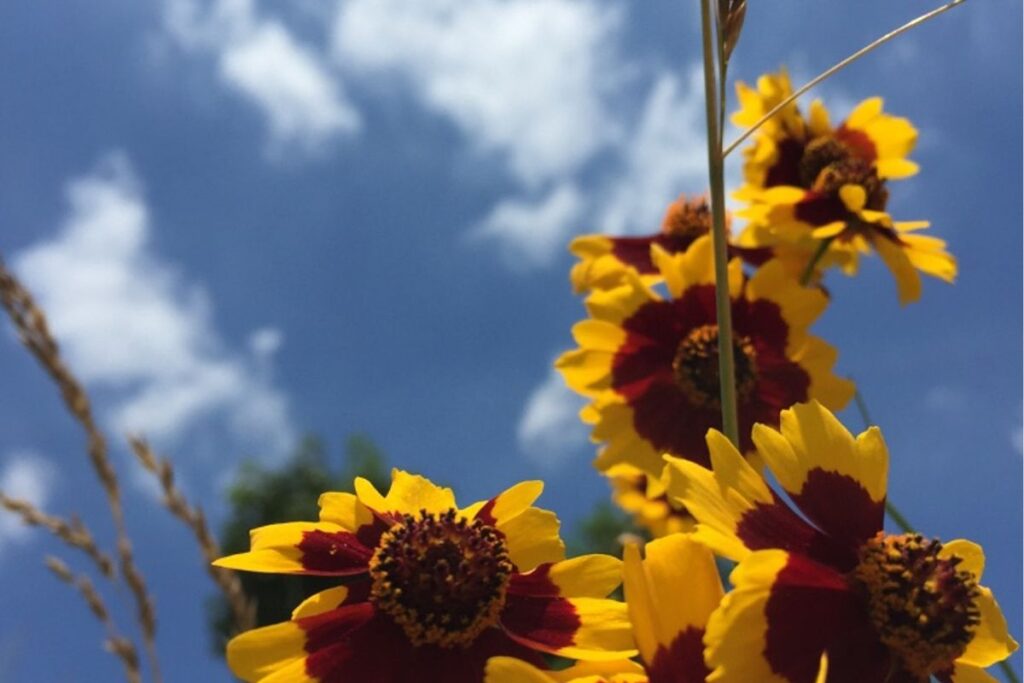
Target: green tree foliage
(261, 496)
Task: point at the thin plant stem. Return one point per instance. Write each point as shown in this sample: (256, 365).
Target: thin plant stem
(837, 67)
(819, 253)
(726, 369)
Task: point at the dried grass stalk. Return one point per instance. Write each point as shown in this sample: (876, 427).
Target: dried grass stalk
(242, 609)
(34, 332)
(72, 532)
(120, 647)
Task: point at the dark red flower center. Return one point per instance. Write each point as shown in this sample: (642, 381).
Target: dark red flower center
(695, 366)
(828, 163)
(441, 577)
(922, 604)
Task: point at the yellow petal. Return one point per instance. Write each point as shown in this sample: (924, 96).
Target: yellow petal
(593, 576)
(586, 371)
(817, 119)
(992, 641)
(512, 670)
(598, 335)
(324, 601)
(256, 654)
(409, 493)
(829, 229)
(864, 112)
(532, 538)
(965, 673)
(586, 246)
(344, 509)
(719, 499)
(908, 282)
(675, 566)
(972, 557)
(509, 503)
(894, 169)
(854, 197)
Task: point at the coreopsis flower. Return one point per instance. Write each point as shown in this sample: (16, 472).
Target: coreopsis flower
(828, 580)
(671, 593)
(650, 365)
(428, 591)
(644, 498)
(814, 186)
(603, 257)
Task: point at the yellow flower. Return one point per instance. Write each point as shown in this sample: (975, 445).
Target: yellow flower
(650, 365)
(829, 582)
(671, 594)
(428, 591)
(811, 185)
(604, 258)
(644, 498)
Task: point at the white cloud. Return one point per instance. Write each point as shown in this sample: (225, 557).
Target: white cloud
(261, 60)
(523, 78)
(530, 233)
(665, 155)
(133, 328)
(25, 476)
(549, 430)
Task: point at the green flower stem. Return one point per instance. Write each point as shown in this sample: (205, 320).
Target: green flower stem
(819, 253)
(904, 524)
(726, 361)
(837, 67)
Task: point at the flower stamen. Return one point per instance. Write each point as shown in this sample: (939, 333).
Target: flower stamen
(441, 577)
(922, 604)
(696, 366)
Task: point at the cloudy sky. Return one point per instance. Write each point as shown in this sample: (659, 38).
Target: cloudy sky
(253, 220)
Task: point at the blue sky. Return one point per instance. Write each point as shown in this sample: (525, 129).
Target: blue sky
(252, 220)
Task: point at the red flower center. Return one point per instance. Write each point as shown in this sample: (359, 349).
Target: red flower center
(695, 366)
(441, 577)
(922, 605)
(827, 164)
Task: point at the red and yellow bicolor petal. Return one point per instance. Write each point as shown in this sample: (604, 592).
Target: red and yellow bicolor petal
(737, 512)
(837, 481)
(310, 548)
(671, 593)
(280, 653)
(561, 608)
(603, 260)
(511, 670)
(888, 139)
(531, 534)
(784, 613)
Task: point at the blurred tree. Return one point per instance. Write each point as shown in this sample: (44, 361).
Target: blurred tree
(261, 496)
(602, 531)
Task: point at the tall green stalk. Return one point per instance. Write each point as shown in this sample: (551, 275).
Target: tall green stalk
(726, 360)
